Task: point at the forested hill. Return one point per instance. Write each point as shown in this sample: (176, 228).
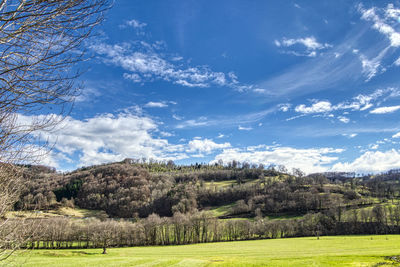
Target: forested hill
(134, 189)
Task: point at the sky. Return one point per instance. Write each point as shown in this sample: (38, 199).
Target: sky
(306, 84)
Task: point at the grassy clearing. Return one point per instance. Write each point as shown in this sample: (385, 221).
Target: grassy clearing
(220, 184)
(327, 251)
(228, 183)
(62, 211)
(222, 210)
(284, 217)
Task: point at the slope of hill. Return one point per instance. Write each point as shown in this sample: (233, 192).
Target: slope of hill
(131, 189)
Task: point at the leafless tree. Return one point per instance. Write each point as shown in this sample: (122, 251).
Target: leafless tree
(40, 43)
(105, 233)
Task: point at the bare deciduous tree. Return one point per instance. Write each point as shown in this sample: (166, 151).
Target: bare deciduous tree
(40, 43)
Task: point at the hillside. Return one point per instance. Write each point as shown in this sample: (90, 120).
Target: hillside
(133, 189)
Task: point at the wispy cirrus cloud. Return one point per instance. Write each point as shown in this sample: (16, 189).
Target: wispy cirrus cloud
(241, 128)
(397, 62)
(338, 64)
(226, 121)
(350, 135)
(146, 62)
(316, 74)
(384, 21)
(372, 67)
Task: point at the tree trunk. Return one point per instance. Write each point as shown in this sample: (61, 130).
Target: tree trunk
(104, 250)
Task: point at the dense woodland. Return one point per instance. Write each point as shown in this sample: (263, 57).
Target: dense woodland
(160, 203)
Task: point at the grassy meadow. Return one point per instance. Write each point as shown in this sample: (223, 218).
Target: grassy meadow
(309, 251)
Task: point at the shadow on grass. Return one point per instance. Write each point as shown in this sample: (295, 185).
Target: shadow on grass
(69, 253)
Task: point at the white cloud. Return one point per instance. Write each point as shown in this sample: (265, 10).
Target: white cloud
(177, 58)
(134, 24)
(133, 77)
(107, 138)
(392, 12)
(205, 146)
(382, 24)
(259, 90)
(371, 162)
(374, 146)
(309, 42)
(284, 107)
(318, 107)
(166, 134)
(384, 110)
(397, 135)
(87, 94)
(360, 102)
(310, 45)
(138, 26)
(343, 119)
(156, 105)
(308, 160)
(241, 128)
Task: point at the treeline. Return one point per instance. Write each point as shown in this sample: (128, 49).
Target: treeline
(201, 227)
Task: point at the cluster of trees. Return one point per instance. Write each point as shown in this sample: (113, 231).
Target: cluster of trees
(200, 227)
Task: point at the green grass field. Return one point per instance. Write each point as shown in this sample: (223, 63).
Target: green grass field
(327, 251)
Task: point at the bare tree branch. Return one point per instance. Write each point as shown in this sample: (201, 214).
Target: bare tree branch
(40, 43)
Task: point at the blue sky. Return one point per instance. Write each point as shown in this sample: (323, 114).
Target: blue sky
(307, 84)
